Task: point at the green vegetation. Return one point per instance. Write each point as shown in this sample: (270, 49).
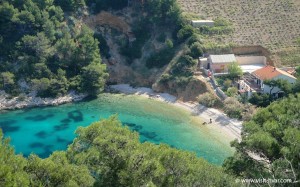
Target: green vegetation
(221, 26)
(161, 58)
(274, 135)
(46, 49)
(283, 85)
(232, 91)
(106, 5)
(209, 100)
(262, 100)
(234, 70)
(108, 154)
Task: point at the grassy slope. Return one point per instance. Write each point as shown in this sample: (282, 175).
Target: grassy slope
(274, 24)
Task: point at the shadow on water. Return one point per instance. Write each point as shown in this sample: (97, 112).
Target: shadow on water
(66, 120)
(133, 126)
(129, 124)
(60, 140)
(76, 116)
(47, 151)
(7, 126)
(61, 127)
(88, 98)
(39, 117)
(148, 135)
(145, 134)
(41, 134)
(36, 145)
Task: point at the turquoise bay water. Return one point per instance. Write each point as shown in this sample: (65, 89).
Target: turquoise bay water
(44, 130)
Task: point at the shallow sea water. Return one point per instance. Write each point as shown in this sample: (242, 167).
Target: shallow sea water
(47, 129)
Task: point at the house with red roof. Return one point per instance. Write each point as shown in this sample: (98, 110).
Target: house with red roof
(271, 73)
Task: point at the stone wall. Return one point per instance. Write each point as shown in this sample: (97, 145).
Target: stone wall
(248, 60)
(253, 50)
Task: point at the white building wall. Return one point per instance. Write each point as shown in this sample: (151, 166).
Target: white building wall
(284, 77)
(203, 63)
(200, 23)
(276, 89)
(267, 89)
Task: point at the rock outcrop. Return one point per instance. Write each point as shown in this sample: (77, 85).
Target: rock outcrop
(25, 101)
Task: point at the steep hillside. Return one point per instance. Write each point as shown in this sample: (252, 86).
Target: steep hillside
(273, 24)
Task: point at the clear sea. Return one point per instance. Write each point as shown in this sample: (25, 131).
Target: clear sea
(47, 129)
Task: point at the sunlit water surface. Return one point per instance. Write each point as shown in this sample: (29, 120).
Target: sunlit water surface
(47, 129)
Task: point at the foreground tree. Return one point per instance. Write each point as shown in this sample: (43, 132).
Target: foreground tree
(11, 166)
(116, 158)
(273, 135)
(57, 171)
(39, 41)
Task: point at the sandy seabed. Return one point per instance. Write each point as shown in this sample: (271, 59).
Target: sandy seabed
(221, 124)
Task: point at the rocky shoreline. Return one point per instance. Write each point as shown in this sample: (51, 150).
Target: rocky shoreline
(28, 101)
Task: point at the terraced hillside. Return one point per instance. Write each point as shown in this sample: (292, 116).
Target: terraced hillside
(274, 24)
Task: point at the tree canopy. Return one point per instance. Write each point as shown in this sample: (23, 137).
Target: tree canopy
(273, 134)
(109, 154)
(234, 70)
(39, 42)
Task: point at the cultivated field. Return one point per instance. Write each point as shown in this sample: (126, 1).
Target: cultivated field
(274, 24)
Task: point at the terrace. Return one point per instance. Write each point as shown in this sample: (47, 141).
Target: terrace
(248, 84)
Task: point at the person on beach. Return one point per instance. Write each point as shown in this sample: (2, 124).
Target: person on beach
(210, 120)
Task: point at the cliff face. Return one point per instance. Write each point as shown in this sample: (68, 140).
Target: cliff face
(116, 29)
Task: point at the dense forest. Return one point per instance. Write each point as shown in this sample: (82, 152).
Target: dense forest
(273, 135)
(109, 154)
(46, 50)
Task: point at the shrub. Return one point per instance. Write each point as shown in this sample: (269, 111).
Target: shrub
(234, 70)
(194, 38)
(183, 66)
(249, 112)
(161, 37)
(160, 59)
(262, 100)
(165, 77)
(196, 50)
(233, 108)
(232, 91)
(104, 48)
(209, 100)
(227, 83)
(169, 43)
(185, 32)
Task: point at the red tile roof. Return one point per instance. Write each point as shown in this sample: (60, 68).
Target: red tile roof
(270, 72)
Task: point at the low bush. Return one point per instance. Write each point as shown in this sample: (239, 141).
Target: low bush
(185, 32)
(209, 100)
(233, 108)
(161, 38)
(184, 66)
(231, 91)
(227, 83)
(161, 58)
(262, 100)
(196, 50)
